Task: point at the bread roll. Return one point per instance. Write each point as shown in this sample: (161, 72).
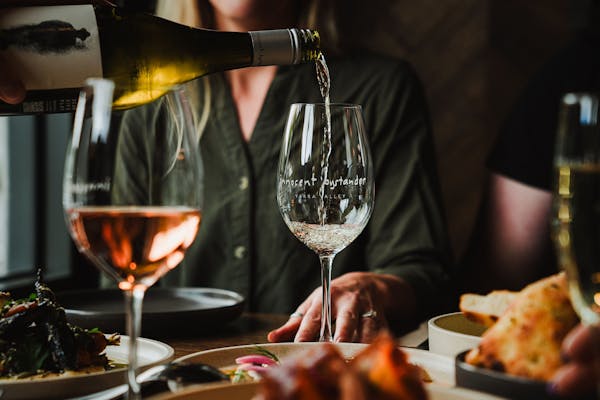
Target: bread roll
(486, 309)
(526, 339)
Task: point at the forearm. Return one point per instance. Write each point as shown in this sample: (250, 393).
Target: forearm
(510, 245)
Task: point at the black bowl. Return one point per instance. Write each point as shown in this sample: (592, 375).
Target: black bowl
(499, 383)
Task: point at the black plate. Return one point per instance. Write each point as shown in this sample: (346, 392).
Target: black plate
(499, 383)
(164, 309)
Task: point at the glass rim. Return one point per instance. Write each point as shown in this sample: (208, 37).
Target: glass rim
(322, 104)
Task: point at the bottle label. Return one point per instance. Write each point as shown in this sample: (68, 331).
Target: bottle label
(48, 49)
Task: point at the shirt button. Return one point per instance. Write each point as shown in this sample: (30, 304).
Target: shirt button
(244, 183)
(239, 252)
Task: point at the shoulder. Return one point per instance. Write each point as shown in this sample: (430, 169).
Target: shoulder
(574, 68)
(381, 81)
(372, 67)
(527, 129)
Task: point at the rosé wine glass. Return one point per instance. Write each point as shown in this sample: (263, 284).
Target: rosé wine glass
(132, 193)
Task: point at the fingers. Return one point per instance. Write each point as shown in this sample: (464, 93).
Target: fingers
(311, 324)
(356, 308)
(581, 348)
(286, 332)
(581, 343)
(352, 324)
(360, 315)
(573, 380)
(346, 322)
(370, 327)
(303, 325)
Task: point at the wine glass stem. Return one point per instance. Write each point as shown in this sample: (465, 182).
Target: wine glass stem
(133, 303)
(326, 333)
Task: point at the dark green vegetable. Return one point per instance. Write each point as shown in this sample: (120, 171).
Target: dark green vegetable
(36, 337)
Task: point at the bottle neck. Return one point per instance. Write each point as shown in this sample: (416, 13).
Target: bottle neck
(284, 46)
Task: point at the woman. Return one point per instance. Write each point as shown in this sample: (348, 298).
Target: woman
(392, 273)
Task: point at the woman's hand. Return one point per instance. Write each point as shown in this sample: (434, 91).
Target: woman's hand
(361, 304)
(581, 348)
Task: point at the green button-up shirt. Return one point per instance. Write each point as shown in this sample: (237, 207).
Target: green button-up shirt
(243, 243)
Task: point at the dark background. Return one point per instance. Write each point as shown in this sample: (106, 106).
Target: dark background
(474, 57)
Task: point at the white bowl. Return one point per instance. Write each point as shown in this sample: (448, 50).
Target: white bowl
(450, 334)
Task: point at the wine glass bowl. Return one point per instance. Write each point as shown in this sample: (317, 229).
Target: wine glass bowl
(135, 245)
(576, 210)
(576, 226)
(325, 188)
(132, 192)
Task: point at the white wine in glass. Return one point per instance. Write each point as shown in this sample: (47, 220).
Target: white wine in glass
(325, 185)
(576, 223)
(132, 192)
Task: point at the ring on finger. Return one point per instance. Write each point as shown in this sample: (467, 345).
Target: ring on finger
(369, 314)
(296, 314)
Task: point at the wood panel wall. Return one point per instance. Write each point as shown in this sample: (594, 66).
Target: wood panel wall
(473, 56)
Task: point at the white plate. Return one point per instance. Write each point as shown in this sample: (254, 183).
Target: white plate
(439, 368)
(150, 352)
(246, 391)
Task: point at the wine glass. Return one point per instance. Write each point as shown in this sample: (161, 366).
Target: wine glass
(576, 224)
(325, 187)
(132, 192)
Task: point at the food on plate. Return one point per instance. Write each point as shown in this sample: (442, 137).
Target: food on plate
(486, 310)
(526, 339)
(252, 366)
(36, 339)
(380, 372)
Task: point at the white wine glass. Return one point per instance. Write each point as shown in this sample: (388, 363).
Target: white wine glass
(576, 223)
(132, 193)
(325, 188)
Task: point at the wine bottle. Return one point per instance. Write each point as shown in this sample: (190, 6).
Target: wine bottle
(53, 49)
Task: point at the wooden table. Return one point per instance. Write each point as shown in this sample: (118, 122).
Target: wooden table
(251, 328)
(247, 329)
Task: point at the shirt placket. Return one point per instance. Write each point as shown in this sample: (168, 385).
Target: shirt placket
(239, 190)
